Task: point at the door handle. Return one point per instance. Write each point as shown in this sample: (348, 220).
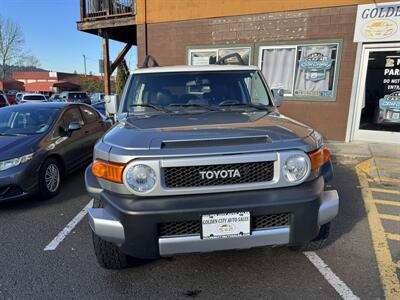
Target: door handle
(86, 131)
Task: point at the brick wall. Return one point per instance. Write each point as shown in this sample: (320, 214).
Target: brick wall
(168, 43)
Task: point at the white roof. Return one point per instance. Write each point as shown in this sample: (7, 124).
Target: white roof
(33, 94)
(186, 68)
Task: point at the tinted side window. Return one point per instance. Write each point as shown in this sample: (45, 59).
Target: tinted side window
(89, 114)
(72, 115)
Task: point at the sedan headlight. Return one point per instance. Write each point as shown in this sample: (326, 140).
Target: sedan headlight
(295, 168)
(10, 163)
(141, 178)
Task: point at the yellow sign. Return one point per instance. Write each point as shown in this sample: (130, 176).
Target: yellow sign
(379, 29)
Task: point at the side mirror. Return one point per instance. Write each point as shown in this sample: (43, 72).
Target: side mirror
(74, 126)
(278, 96)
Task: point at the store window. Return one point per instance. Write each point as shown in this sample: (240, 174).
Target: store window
(381, 105)
(199, 57)
(304, 71)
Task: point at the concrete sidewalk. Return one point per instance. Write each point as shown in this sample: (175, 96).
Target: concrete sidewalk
(363, 150)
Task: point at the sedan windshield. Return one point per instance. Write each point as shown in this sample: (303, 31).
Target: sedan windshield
(34, 97)
(15, 121)
(165, 92)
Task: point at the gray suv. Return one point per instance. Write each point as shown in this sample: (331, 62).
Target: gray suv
(201, 160)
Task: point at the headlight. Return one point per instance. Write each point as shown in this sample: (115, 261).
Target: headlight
(141, 178)
(295, 168)
(7, 164)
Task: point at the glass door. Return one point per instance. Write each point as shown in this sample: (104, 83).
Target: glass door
(378, 96)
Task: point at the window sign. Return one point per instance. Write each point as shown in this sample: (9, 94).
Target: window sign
(304, 71)
(315, 70)
(200, 57)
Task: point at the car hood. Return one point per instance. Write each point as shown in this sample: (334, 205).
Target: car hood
(16, 146)
(204, 130)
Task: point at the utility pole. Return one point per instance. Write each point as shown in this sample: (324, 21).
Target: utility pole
(84, 63)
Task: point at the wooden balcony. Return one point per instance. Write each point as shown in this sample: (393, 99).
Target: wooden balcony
(116, 18)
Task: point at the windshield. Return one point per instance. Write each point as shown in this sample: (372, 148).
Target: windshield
(77, 96)
(26, 121)
(34, 97)
(194, 90)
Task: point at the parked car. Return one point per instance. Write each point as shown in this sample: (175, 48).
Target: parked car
(42, 143)
(11, 97)
(55, 98)
(3, 101)
(18, 97)
(97, 97)
(80, 97)
(202, 160)
(33, 98)
(100, 107)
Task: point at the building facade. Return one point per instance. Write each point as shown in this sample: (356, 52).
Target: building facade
(337, 60)
(330, 57)
(45, 82)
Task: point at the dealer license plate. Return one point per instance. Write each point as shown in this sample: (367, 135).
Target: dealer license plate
(226, 225)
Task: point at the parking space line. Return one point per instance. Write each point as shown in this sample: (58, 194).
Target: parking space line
(387, 191)
(341, 288)
(387, 202)
(393, 236)
(387, 267)
(389, 217)
(385, 168)
(385, 179)
(67, 229)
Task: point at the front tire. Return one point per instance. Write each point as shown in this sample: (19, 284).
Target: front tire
(50, 178)
(108, 255)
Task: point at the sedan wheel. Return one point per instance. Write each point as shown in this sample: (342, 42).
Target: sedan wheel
(50, 178)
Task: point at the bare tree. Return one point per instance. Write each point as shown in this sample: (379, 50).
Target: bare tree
(12, 47)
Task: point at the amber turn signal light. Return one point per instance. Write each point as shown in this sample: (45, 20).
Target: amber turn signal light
(108, 171)
(319, 157)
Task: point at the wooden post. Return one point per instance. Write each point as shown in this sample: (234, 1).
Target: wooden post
(83, 9)
(107, 67)
(120, 57)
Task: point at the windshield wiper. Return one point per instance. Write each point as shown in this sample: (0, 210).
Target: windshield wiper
(155, 107)
(193, 105)
(259, 107)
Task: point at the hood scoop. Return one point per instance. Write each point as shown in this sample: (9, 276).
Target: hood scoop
(215, 142)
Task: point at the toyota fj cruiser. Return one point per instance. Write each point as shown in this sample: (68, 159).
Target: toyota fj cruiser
(201, 160)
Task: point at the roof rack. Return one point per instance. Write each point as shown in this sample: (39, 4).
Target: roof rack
(147, 60)
(224, 59)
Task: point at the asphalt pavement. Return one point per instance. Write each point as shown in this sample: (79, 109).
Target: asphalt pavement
(71, 271)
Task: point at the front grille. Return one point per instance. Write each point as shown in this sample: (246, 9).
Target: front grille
(186, 177)
(10, 191)
(194, 227)
(268, 221)
(180, 228)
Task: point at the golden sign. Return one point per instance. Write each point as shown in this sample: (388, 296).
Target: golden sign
(379, 29)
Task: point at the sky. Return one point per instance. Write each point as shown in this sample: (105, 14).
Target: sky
(49, 28)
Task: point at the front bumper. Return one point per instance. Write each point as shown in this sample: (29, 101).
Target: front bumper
(133, 223)
(18, 182)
